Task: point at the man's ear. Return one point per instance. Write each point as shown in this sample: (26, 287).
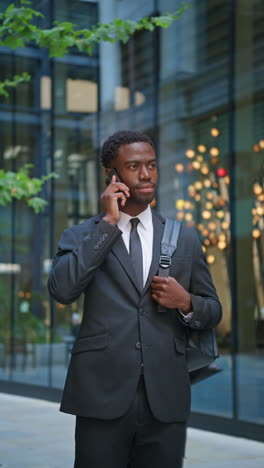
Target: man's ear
(107, 170)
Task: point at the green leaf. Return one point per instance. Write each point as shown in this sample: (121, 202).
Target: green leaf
(17, 79)
(37, 203)
(19, 185)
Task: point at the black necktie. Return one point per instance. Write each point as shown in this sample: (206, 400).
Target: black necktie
(135, 250)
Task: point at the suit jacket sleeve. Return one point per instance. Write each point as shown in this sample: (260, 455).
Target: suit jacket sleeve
(206, 307)
(77, 259)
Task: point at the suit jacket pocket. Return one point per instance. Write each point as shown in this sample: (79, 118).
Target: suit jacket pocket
(180, 344)
(90, 343)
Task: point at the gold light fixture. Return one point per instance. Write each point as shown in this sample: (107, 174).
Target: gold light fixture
(188, 216)
(214, 160)
(204, 169)
(179, 167)
(196, 165)
(198, 185)
(212, 226)
(220, 214)
(180, 215)
(225, 225)
(180, 204)
(260, 210)
(261, 144)
(210, 259)
(188, 205)
(220, 202)
(256, 233)
(214, 151)
(209, 205)
(202, 148)
(221, 245)
(257, 189)
(190, 153)
(215, 132)
(207, 183)
(206, 214)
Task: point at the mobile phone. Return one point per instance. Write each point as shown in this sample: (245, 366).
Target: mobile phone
(108, 179)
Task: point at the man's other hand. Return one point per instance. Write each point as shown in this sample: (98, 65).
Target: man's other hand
(169, 293)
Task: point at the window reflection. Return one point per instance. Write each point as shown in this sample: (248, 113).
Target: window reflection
(45, 92)
(81, 96)
(76, 89)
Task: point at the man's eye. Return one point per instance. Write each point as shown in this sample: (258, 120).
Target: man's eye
(132, 166)
(152, 166)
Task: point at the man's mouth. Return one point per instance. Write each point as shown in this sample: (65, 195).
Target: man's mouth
(146, 188)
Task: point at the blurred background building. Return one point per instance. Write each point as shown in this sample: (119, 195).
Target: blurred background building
(197, 89)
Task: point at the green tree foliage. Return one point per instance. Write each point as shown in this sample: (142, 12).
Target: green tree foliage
(17, 79)
(19, 185)
(17, 29)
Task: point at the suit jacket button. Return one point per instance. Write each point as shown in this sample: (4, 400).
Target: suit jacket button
(138, 345)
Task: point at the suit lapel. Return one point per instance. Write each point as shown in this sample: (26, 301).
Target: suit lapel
(120, 251)
(158, 228)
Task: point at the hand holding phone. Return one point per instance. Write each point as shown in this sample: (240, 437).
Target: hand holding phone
(114, 197)
(108, 179)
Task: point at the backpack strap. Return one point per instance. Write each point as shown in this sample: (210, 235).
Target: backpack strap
(168, 246)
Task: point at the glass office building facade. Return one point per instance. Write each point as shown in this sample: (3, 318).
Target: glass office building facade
(197, 89)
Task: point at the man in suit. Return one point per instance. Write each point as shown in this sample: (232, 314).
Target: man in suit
(127, 381)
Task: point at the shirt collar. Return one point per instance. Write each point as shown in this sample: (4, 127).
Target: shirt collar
(145, 218)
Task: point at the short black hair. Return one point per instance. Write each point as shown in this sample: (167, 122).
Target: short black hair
(124, 137)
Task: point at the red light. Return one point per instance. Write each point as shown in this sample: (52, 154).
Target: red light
(221, 172)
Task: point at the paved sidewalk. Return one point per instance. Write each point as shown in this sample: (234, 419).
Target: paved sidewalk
(34, 434)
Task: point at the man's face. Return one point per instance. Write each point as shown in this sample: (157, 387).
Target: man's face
(136, 166)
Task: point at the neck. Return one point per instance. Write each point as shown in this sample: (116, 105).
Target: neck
(134, 210)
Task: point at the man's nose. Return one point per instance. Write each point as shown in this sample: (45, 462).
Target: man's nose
(144, 173)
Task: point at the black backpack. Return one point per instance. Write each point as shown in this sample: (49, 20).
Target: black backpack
(201, 345)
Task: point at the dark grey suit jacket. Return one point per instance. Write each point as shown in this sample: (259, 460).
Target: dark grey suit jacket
(121, 326)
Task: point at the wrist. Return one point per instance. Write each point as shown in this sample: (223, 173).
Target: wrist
(110, 220)
(186, 306)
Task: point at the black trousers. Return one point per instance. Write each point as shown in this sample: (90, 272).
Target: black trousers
(135, 440)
